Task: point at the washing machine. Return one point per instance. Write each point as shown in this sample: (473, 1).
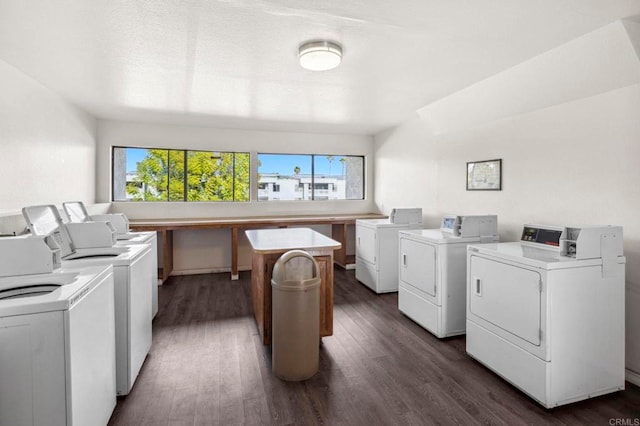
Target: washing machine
(547, 313)
(57, 334)
(87, 244)
(150, 239)
(77, 212)
(433, 271)
(377, 248)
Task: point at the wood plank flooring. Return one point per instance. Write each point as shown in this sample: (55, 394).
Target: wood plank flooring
(208, 367)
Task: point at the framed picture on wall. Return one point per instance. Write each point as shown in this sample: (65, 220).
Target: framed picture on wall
(484, 175)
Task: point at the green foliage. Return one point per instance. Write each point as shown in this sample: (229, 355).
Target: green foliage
(209, 176)
(242, 177)
(151, 182)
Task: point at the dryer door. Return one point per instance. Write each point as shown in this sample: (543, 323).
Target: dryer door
(507, 296)
(418, 266)
(366, 243)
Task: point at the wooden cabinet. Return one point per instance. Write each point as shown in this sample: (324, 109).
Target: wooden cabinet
(268, 245)
(261, 272)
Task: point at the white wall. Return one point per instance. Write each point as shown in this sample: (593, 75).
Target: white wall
(575, 162)
(204, 251)
(597, 62)
(47, 147)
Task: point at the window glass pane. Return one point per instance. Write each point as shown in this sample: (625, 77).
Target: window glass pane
(210, 176)
(284, 177)
(338, 177)
(176, 175)
(217, 176)
(140, 174)
(152, 172)
(241, 186)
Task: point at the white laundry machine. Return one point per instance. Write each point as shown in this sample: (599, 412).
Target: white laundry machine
(150, 239)
(433, 271)
(547, 313)
(132, 269)
(377, 248)
(77, 212)
(57, 334)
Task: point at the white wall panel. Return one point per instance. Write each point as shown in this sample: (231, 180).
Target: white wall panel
(47, 145)
(598, 62)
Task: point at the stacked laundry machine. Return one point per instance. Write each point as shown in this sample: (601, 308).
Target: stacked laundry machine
(57, 337)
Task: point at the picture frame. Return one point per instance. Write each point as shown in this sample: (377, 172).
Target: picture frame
(484, 175)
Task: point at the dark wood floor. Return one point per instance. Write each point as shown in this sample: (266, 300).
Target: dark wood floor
(208, 367)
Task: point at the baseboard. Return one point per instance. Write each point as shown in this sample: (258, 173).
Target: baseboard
(350, 266)
(207, 271)
(632, 377)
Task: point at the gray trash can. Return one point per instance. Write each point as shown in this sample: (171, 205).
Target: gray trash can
(295, 307)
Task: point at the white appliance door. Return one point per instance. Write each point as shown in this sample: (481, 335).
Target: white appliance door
(366, 243)
(140, 315)
(32, 370)
(91, 362)
(133, 319)
(507, 296)
(418, 266)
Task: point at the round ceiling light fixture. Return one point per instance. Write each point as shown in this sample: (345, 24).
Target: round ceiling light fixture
(319, 55)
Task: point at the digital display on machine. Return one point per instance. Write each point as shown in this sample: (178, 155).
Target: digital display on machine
(549, 237)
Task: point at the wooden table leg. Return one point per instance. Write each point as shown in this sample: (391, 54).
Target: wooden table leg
(167, 254)
(339, 233)
(234, 253)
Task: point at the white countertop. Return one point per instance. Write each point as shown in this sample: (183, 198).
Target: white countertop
(283, 239)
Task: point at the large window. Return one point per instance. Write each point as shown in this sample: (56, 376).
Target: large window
(141, 174)
(310, 177)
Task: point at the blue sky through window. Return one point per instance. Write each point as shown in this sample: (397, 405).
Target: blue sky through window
(134, 156)
(286, 163)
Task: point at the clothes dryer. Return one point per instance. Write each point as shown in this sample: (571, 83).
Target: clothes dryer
(132, 269)
(57, 357)
(377, 248)
(432, 273)
(547, 313)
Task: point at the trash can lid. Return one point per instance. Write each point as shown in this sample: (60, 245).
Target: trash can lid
(296, 268)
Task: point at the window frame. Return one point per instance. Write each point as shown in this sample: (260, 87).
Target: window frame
(312, 184)
(185, 186)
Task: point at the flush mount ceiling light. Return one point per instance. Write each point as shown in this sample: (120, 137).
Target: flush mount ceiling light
(319, 55)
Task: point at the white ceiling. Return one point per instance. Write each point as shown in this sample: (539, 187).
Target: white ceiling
(233, 63)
